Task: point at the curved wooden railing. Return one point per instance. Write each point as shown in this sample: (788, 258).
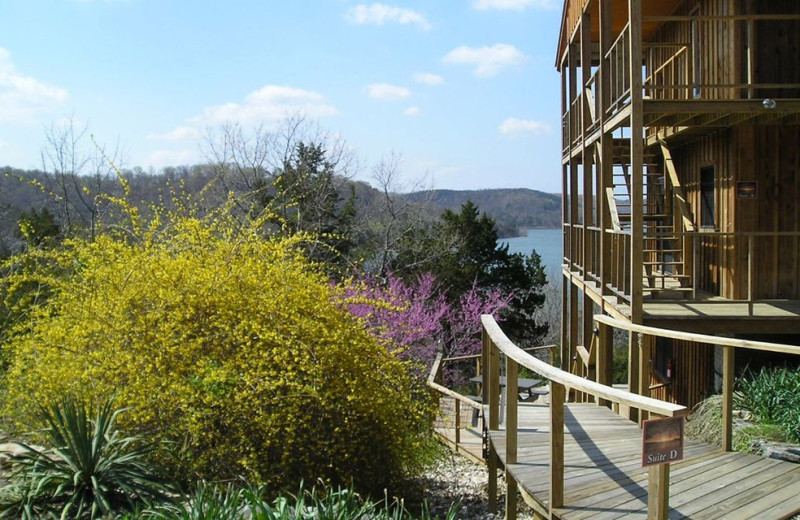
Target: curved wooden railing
(496, 342)
(728, 353)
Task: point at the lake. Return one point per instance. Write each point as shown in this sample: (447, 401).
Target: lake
(546, 242)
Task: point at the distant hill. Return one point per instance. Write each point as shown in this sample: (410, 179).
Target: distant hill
(514, 209)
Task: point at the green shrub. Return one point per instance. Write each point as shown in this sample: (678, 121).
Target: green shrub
(772, 395)
(89, 470)
(231, 346)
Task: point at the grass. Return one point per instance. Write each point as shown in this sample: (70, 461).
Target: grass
(772, 396)
(213, 502)
(769, 399)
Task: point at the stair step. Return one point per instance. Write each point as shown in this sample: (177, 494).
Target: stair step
(658, 275)
(661, 289)
(663, 263)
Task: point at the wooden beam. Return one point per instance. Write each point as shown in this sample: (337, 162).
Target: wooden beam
(637, 158)
(672, 174)
(512, 391)
(727, 397)
(557, 394)
(585, 357)
(658, 492)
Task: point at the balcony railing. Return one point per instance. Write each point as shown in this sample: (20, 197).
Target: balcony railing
(703, 265)
(690, 58)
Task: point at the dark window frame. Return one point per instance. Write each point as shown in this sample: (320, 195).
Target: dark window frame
(708, 194)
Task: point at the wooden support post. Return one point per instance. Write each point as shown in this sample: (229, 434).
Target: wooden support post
(645, 351)
(727, 397)
(633, 370)
(557, 394)
(588, 324)
(492, 386)
(605, 358)
(637, 159)
(566, 285)
(491, 466)
(512, 393)
(658, 492)
(457, 404)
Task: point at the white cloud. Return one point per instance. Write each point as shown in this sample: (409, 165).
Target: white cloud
(386, 92)
(270, 103)
(380, 14)
(428, 79)
(411, 111)
(178, 134)
(488, 61)
(21, 97)
(515, 126)
(163, 158)
(516, 5)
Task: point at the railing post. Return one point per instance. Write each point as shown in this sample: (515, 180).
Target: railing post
(658, 492)
(491, 466)
(490, 367)
(512, 392)
(457, 404)
(491, 386)
(557, 393)
(750, 252)
(727, 397)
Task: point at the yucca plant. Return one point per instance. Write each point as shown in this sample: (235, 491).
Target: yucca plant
(88, 471)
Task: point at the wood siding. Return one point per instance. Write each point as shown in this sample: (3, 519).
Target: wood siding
(693, 369)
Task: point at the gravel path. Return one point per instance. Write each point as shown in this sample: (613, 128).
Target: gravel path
(458, 479)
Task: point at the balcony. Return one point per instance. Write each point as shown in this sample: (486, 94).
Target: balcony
(698, 72)
(729, 280)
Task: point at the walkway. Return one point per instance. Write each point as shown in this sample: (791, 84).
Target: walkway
(603, 477)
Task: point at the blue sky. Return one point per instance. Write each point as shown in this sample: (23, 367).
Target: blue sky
(464, 91)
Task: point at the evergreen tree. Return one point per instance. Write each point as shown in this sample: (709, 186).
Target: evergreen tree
(461, 251)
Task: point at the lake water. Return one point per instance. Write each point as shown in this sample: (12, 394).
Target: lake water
(546, 242)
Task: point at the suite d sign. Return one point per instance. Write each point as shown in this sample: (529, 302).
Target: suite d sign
(662, 441)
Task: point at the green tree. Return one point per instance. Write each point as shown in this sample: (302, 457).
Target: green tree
(461, 250)
(306, 196)
(39, 227)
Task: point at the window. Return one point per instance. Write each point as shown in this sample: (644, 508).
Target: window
(707, 205)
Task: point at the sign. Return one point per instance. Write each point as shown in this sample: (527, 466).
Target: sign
(747, 189)
(662, 441)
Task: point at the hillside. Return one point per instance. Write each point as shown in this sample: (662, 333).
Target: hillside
(514, 209)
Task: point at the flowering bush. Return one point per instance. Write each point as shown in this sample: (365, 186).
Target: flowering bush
(418, 322)
(231, 346)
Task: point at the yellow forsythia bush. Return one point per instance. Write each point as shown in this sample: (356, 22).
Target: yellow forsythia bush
(229, 345)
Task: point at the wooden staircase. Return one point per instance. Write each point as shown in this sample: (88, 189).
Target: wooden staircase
(666, 268)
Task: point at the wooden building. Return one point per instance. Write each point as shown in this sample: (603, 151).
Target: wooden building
(681, 183)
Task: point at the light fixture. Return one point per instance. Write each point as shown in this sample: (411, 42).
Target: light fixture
(769, 103)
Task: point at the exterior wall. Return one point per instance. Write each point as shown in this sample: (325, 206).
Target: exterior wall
(777, 46)
(692, 379)
(770, 156)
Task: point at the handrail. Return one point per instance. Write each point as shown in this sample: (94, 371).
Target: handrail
(559, 376)
(443, 389)
(698, 338)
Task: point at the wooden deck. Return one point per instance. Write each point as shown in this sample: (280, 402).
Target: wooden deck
(603, 477)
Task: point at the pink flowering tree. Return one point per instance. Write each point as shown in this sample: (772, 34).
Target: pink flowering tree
(416, 320)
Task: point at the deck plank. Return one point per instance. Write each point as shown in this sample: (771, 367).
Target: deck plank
(603, 477)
